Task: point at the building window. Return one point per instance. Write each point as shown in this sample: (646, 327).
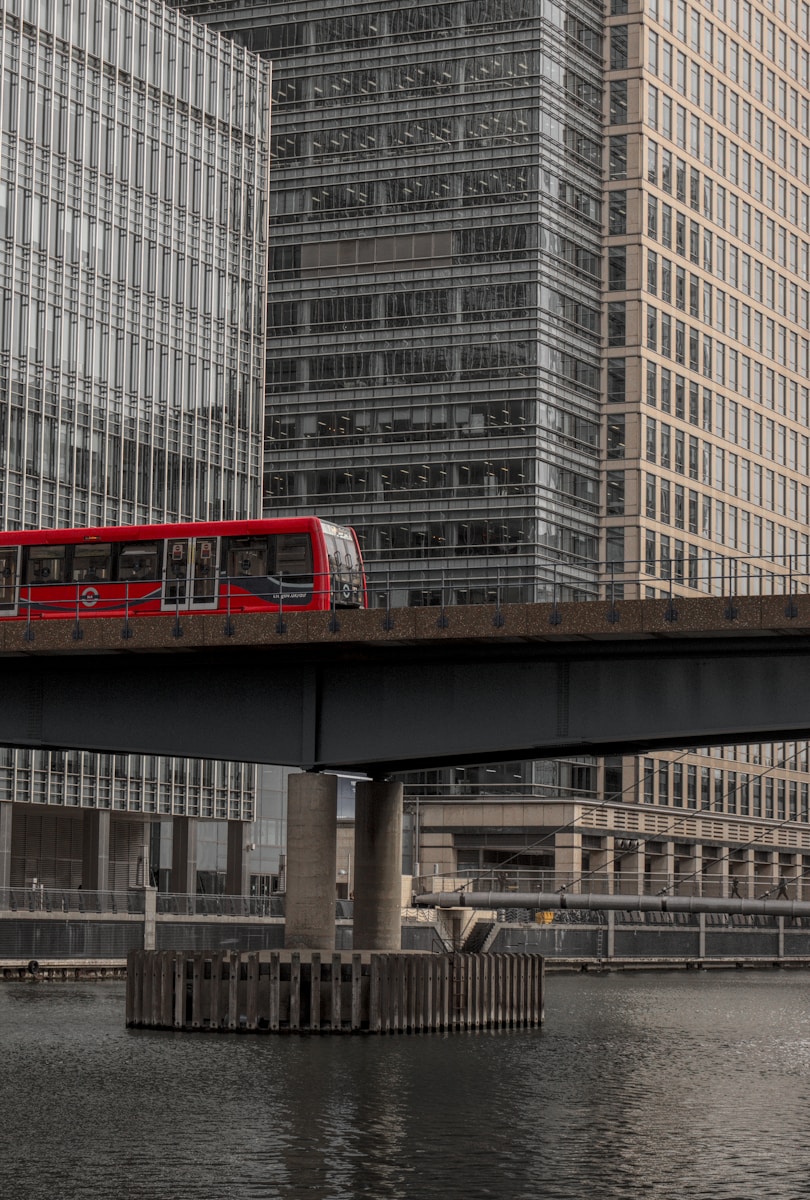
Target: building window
(617, 163)
(691, 786)
(617, 323)
(618, 47)
(617, 212)
(618, 102)
(617, 268)
(616, 380)
(663, 783)
(616, 444)
(615, 493)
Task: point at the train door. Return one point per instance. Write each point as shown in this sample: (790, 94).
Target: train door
(190, 578)
(9, 577)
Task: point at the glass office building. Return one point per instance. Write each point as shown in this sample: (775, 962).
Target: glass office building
(539, 323)
(435, 280)
(134, 149)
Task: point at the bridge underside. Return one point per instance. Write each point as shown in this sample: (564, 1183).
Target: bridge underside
(398, 706)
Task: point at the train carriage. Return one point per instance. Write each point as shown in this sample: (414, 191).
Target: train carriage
(301, 563)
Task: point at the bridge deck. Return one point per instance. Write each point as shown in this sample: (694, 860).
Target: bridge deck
(414, 687)
(592, 621)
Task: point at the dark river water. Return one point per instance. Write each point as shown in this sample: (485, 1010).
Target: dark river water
(660, 1086)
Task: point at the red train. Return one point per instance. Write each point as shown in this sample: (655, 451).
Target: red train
(300, 563)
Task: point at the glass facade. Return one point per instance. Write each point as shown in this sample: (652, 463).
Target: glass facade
(134, 150)
(434, 326)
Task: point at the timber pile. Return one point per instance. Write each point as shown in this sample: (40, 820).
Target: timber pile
(284, 991)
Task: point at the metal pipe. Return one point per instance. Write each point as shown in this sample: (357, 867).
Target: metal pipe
(564, 900)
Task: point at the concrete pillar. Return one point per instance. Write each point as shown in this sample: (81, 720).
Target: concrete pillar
(600, 879)
(236, 870)
(629, 880)
(150, 918)
(96, 850)
(662, 870)
(311, 850)
(687, 878)
(765, 872)
(741, 868)
(378, 866)
(6, 811)
(184, 856)
(715, 874)
(611, 934)
(568, 859)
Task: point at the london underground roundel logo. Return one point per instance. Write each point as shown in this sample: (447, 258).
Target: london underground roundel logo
(89, 596)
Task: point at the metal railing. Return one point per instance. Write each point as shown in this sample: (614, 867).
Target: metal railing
(202, 905)
(132, 902)
(72, 900)
(620, 883)
(395, 585)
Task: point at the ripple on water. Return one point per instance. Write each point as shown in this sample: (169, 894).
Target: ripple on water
(652, 1086)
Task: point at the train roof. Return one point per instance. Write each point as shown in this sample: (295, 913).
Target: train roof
(145, 533)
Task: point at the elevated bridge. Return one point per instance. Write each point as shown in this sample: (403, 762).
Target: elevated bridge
(413, 688)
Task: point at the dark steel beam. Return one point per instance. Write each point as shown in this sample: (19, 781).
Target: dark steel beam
(394, 707)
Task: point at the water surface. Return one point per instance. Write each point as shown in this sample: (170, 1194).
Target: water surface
(658, 1087)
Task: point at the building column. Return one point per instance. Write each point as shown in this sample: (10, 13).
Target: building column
(600, 879)
(715, 873)
(96, 850)
(629, 880)
(378, 866)
(689, 873)
(568, 859)
(236, 872)
(184, 856)
(311, 854)
(6, 814)
(765, 872)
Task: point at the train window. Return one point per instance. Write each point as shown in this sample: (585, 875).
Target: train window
(293, 554)
(8, 576)
(45, 564)
(248, 557)
(138, 560)
(92, 563)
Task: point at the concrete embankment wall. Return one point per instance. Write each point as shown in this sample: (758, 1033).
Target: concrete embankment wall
(660, 940)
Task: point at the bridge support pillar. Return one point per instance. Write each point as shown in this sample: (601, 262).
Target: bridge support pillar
(378, 866)
(96, 850)
(236, 865)
(311, 856)
(6, 818)
(184, 856)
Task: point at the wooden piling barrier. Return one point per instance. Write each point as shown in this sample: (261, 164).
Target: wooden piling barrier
(299, 991)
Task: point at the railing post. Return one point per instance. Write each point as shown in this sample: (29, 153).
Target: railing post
(388, 620)
(28, 635)
(498, 618)
(443, 620)
(228, 629)
(77, 631)
(126, 632)
(555, 617)
(177, 632)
